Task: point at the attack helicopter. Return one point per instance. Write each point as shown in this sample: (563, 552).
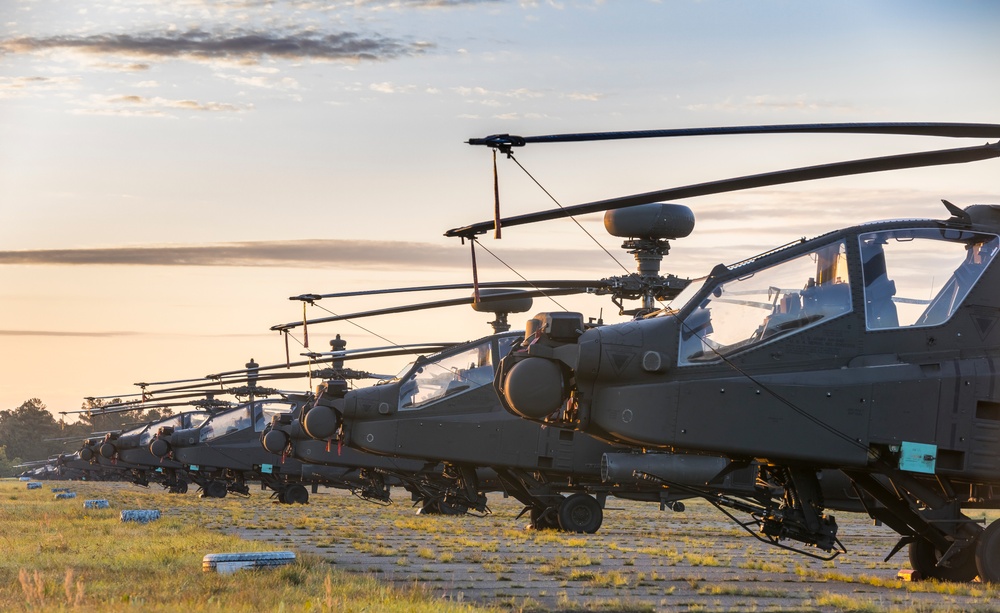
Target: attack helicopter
(820, 354)
(224, 452)
(126, 450)
(442, 408)
(374, 475)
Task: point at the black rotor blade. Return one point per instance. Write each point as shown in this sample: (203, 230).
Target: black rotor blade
(197, 381)
(92, 398)
(434, 305)
(951, 130)
(794, 175)
(216, 383)
(563, 283)
(343, 355)
(151, 401)
(121, 408)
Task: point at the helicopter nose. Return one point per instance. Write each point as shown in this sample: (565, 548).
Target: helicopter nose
(275, 441)
(159, 447)
(534, 388)
(321, 422)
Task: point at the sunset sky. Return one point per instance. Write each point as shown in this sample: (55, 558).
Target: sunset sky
(170, 172)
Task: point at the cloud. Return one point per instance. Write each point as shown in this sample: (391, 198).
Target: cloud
(303, 254)
(239, 46)
(114, 334)
(141, 106)
(18, 87)
(64, 333)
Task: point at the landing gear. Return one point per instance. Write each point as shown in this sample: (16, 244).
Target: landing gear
(924, 559)
(988, 553)
(442, 506)
(294, 494)
(240, 488)
(214, 489)
(180, 487)
(580, 513)
(544, 518)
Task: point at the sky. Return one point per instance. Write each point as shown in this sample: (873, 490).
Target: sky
(171, 172)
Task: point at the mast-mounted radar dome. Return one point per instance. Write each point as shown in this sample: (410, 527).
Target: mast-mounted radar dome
(659, 220)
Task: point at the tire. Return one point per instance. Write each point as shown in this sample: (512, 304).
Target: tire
(450, 507)
(580, 513)
(924, 558)
(296, 494)
(215, 489)
(988, 553)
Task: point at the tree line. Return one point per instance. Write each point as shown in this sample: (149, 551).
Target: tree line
(31, 432)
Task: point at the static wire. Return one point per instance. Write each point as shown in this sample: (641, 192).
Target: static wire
(558, 204)
(475, 242)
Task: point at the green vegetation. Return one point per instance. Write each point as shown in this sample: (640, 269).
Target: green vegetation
(30, 432)
(59, 556)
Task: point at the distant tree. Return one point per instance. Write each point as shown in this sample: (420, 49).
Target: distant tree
(28, 432)
(7, 464)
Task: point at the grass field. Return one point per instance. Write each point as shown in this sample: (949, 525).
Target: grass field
(59, 556)
(356, 556)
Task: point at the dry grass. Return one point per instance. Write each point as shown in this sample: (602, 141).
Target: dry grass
(59, 556)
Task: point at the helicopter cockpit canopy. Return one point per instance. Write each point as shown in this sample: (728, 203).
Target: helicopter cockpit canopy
(901, 266)
(183, 421)
(795, 294)
(453, 372)
(257, 416)
(911, 277)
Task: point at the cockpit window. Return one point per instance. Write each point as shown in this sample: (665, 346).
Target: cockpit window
(265, 411)
(193, 420)
(147, 435)
(790, 296)
(222, 424)
(919, 277)
(448, 374)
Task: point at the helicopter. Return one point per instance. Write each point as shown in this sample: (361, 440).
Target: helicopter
(820, 354)
(224, 452)
(375, 474)
(126, 450)
(442, 408)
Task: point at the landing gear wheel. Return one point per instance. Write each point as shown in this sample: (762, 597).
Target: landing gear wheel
(441, 506)
(924, 558)
(295, 494)
(181, 487)
(451, 507)
(428, 507)
(580, 513)
(988, 553)
(544, 519)
(214, 489)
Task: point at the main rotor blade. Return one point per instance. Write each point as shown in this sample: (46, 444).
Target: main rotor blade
(433, 305)
(562, 283)
(122, 408)
(955, 130)
(196, 381)
(794, 175)
(216, 382)
(379, 352)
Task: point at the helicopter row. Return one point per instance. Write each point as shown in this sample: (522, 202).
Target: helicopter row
(820, 355)
(808, 379)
